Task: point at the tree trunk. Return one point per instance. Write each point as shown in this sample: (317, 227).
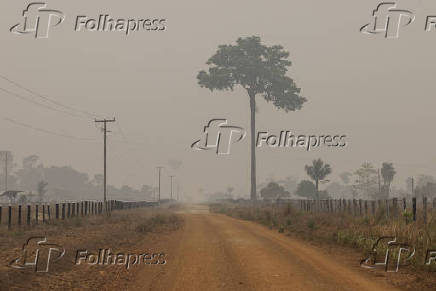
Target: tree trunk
(253, 195)
(317, 191)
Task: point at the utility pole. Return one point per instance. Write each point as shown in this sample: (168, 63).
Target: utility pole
(159, 170)
(178, 188)
(171, 178)
(6, 171)
(379, 186)
(105, 131)
(413, 186)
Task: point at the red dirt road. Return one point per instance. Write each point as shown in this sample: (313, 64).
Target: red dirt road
(216, 252)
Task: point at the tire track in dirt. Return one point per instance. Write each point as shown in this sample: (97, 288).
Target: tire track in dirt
(216, 252)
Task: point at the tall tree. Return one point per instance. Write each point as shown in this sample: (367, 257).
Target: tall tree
(260, 70)
(366, 179)
(318, 171)
(388, 172)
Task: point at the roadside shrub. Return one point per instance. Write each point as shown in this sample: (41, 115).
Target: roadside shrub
(311, 224)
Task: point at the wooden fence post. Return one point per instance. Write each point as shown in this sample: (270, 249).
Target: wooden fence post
(19, 214)
(29, 209)
(63, 211)
(387, 208)
(57, 210)
(373, 207)
(424, 209)
(36, 214)
(48, 212)
(366, 207)
(395, 207)
(9, 217)
(43, 213)
(414, 208)
(354, 207)
(0, 215)
(360, 207)
(69, 210)
(404, 204)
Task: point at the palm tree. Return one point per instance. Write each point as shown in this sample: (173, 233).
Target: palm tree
(260, 70)
(317, 172)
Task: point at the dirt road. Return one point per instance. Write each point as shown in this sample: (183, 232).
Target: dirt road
(216, 252)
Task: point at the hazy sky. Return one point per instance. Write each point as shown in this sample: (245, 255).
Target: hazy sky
(378, 92)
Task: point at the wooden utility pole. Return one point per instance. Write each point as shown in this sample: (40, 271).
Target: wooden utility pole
(178, 188)
(159, 172)
(379, 185)
(171, 193)
(6, 171)
(105, 131)
(413, 186)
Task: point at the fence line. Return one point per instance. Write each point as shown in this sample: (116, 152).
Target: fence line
(412, 209)
(392, 208)
(41, 212)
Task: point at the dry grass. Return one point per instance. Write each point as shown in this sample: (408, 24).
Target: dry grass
(359, 232)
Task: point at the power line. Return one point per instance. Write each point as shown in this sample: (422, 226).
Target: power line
(122, 133)
(46, 131)
(35, 102)
(57, 103)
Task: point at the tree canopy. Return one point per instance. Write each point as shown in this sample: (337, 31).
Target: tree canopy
(273, 191)
(257, 68)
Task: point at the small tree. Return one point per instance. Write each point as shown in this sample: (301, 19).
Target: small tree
(307, 189)
(273, 191)
(11, 195)
(42, 190)
(260, 70)
(387, 173)
(318, 171)
(366, 180)
(22, 200)
(230, 191)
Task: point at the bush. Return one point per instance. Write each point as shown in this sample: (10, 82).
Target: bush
(311, 224)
